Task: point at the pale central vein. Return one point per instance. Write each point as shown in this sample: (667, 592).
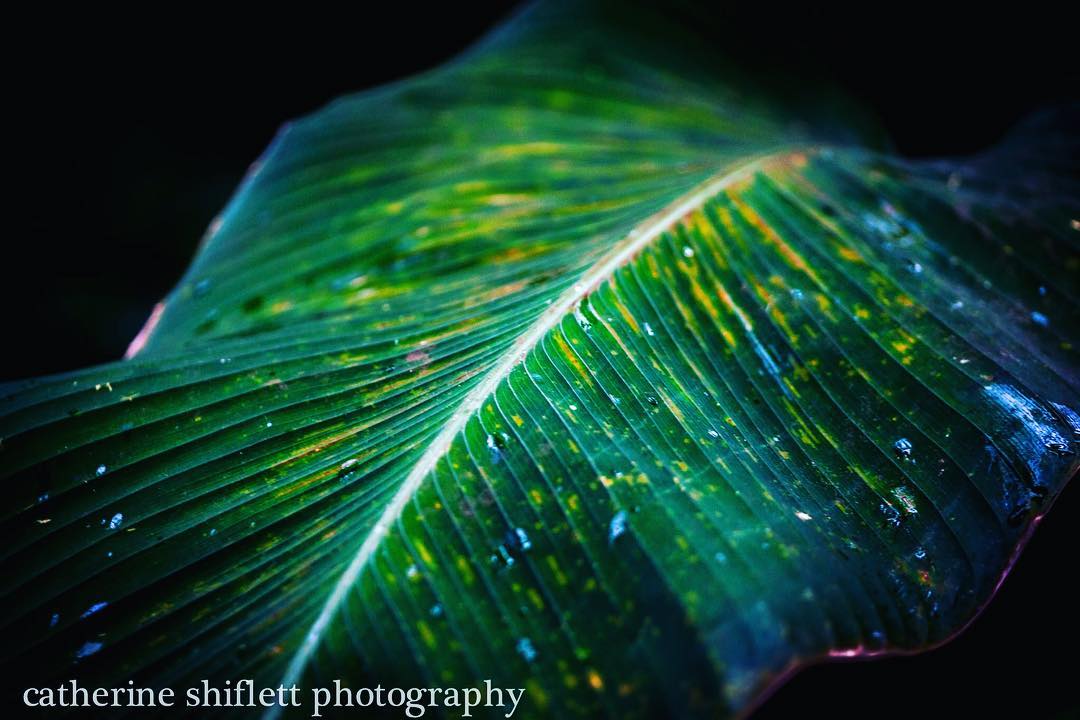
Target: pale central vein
(636, 240)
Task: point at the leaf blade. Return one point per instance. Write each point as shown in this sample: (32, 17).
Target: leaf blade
(268, 421)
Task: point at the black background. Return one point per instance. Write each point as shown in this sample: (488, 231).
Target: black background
(125, 135)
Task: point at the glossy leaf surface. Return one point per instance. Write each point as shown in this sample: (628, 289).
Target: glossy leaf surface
(577, 364)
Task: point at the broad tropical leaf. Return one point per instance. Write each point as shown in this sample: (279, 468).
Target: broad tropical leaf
(583, 363)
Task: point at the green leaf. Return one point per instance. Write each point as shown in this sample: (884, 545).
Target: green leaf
(587, 364)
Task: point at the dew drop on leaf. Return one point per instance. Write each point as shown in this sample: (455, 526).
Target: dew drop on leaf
(494, 450)
(116, 521)
(517, 541)
(526, 650)
(95, 608)
(1058, 448)
(581, 321)
(903, 448)
(907, 500)
(504, 555)
(617, 526)
(87, 650)
(892, 515)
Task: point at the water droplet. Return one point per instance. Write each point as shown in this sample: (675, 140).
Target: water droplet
(803, 516)
(1042, 290)
(652, 400)
(581, 321)
(688, 251)
(1058, 448)
(614, 399)
(494, 450)
(202, 287)
(507, 558)
(436, 610)
(573, 407)
(87, 650)
(269, 424)
(517, 541)
(713, 433)
(649, 330)
(907, 500)
(526, 650)
(54, 620)
(101, 470)
(116, 521)
(914, 267)
(349, 463)
(412, 571)
(920, 553)
(43, 497)
(617, 526)
(213, 532)
(1039, 319)
(903, 448)
(957, 304)
(892, 515)
(94, 608)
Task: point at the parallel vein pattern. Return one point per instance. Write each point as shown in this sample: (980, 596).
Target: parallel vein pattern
(565, 365)
(769, 438)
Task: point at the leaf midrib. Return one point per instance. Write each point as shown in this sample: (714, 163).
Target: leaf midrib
(619, 255)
